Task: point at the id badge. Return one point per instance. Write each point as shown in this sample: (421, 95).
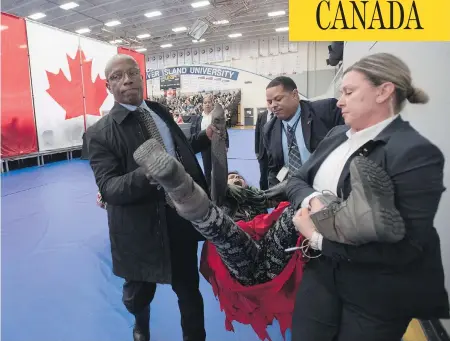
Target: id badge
(282, 174)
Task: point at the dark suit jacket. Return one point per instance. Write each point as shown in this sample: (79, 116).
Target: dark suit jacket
(260, 150)
(389, 280)
(317, 119)
(138, 223)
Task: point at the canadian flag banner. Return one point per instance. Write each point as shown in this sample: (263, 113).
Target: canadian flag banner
(55, 61)
(94, 56)
(67, 86)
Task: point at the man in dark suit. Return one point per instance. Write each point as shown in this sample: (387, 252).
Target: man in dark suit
(298, 129)
(150, 242)
(260, 150)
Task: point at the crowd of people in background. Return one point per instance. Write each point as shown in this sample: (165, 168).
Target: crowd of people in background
(192, 104)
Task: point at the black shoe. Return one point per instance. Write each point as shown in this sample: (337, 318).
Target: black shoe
(141, 330)
(138, 335)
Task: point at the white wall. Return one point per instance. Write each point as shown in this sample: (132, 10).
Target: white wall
(430, 67)
(260, 60)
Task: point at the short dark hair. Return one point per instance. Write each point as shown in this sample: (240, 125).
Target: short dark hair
(286, 82)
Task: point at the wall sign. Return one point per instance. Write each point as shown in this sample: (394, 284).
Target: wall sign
(170, 82)
(194, 70)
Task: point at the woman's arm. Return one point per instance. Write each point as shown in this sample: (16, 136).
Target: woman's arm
(418, 185)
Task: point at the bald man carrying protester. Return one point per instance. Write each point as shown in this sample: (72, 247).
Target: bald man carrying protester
(150, 242)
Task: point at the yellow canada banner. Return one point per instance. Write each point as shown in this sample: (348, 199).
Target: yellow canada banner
(369, 20)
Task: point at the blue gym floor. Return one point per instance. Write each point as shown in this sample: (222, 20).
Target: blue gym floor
(57, 283)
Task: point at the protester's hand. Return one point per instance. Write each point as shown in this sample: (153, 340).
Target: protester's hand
(303, 223)
(210, 130)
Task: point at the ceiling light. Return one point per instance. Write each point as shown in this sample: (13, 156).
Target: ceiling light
(200, 4)
(23, 46)
(166, 45)
(198, 41)
(83, 30)
(235, 35)
(221, 22)
(282, 29)
(141, 49)
(143, 36)
(276, 13)
(37, 16)
(113, 23)
(3, 27)
(69, 5)
(179, 29)
(152, 14)
(117, 41)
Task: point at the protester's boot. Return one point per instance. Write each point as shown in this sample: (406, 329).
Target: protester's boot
(189, 199)
(369, 213)
(141, 330)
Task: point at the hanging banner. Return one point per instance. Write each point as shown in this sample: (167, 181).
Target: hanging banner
(97, 99)
(18, 131)
(57, 82)
(195, 70)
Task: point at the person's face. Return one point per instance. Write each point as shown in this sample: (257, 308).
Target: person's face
(125, 82)
(207, 104)
(237, 180)
(282, 103)
(361, 101)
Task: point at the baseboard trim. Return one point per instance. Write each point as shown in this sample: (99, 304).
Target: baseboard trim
(434, 330)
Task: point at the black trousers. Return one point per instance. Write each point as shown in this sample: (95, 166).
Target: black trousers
(207, 166)
(264, 172)
(185, 283)
(320, 315)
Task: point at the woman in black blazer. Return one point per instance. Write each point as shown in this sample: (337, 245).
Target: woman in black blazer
(371, 292)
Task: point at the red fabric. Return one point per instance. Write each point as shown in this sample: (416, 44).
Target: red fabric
(18, 129)
(256, 305)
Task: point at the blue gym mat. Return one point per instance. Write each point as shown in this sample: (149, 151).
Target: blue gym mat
(57, 282)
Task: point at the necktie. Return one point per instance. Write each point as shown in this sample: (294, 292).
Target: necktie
(295, 160)
(145, 117)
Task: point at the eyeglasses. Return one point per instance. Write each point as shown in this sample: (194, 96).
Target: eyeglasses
(118, 76)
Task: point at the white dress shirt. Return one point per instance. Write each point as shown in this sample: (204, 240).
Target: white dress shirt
(206, 120)
(327, 177)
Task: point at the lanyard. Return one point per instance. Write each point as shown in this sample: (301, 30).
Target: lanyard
(294, 129)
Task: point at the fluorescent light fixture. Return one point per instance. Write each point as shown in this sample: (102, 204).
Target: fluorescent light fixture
(112, 23)
(166, 45)
(3, 27)
(143, 36)
(69, 5)
(276, 13)
(200, 4)
(221, 22)
(198, 41)
(117, 41)
(235, 35)
(141, 49)
(179, 29)
(152, 14)
(23, 46)
(83, 30)
(282, 29)
(37, 16)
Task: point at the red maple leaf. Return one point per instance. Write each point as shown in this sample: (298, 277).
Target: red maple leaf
(69, 93)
